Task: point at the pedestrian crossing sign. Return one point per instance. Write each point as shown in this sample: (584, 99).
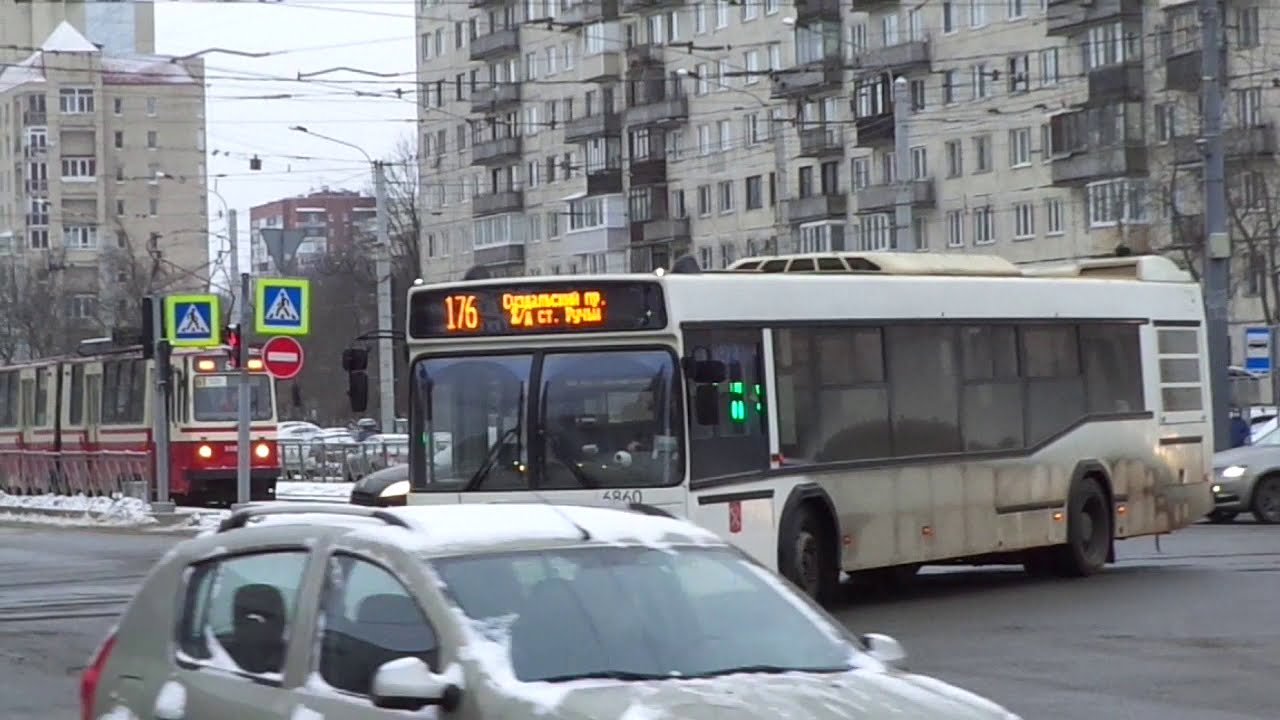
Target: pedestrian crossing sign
(192, 320)
(282, 306)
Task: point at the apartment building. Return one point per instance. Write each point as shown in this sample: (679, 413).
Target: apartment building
(316, 223)
(102, 175)
(573, 137)
(117, 28)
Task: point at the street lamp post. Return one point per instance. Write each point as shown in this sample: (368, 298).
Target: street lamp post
(382, 268)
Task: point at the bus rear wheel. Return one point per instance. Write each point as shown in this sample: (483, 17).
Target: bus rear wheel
(1089, 532)
(808, 556)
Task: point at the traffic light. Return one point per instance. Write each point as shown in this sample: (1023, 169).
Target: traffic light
(232, 335)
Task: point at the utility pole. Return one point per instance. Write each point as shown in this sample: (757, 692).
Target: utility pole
(386, 356)
(160, 421)
(1217, 247)
(242, 366)
(235, 246)
(902, 215)
(780, 189)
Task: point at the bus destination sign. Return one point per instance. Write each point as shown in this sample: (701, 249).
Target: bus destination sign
(534, 308)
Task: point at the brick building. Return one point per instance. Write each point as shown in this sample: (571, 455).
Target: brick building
(331, 221)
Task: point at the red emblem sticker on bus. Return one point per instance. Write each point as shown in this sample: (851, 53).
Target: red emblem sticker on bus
(735, 516)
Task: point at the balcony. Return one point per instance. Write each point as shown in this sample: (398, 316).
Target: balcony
(1241, 144)
(665, 230)
(1122, 82)
(879, 198)
(37, 187)
(595, 240)
(896, 58)
(1068, 17)
(85, 119)
(35, 151)
(635, 7)
(35, 118)
(813, 10)
(499, 202)
(821, 140)
(1087, 165)
(875, 130)
(664, 111)
(604, 182)
(817, 207)
(648, 171)
(586, 12)
(491, 151)
(602, 124)
(1182, 71)
(601, 66)
(489, 99)
(500, 255)
(498, 42)
(813, 78)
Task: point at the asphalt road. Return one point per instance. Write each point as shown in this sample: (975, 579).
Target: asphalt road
(1183, 634)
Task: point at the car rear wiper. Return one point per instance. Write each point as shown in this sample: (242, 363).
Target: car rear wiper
(610, 675)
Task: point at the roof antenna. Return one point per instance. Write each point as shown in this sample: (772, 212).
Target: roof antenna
(586, 536)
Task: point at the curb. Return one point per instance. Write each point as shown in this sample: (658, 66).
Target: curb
(161, 522)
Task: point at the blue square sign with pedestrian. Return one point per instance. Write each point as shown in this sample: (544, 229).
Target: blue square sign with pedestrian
(192, 320)
(283, 306)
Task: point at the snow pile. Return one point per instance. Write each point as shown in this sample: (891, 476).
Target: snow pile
(97, 510)
(290, 490)
(171, 703)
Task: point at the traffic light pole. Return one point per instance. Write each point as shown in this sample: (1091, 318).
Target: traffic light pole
(242, 409)
(160, 422)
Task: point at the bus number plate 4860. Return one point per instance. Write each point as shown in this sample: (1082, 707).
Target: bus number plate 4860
(623, 496)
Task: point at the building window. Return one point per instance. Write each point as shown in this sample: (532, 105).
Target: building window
(79, 237)
(977, 14)
(860, 169)
(1024, 220)
(704, 200)
(949, 24)
(1247, 27)
(1053, 216)
(153, 140)
(1019, 74)
(1165, 122)
(955, 158)
(876, 231)
(726, 196)
(755, 192)
(982, 153)
(984, 225)
(153, 206)
(117, 106)
(1020, 147)
(979, 72)
(1049, 73)
(119, 137)
(1015, 9)
(1248, 107)
(38, 238)
(955, 228)
(82, 307)
(75, 101)
(79, 168)
(919, 163)
(1110, 202)
(950, 79)
(151, 107)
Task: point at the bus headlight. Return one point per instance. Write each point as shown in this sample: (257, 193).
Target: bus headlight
(263, 451)
(205, 452)
(1234, 471)
(399, 487)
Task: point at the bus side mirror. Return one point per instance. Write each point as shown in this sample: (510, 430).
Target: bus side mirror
(706, 405)
(355, 359)
(358, 390)
(704, 371)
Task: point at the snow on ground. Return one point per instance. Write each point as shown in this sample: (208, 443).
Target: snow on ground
(289, 490)
(106, 511)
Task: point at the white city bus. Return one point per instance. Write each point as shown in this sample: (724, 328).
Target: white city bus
(847, 411)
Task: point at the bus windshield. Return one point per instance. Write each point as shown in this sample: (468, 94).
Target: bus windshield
(214, 397)
(604, 419)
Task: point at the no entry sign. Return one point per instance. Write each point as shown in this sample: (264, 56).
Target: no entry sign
(282, 357)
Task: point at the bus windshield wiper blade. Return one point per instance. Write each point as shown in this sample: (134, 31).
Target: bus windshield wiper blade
(490, 459)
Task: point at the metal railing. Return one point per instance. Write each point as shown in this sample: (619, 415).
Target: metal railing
(319, 461)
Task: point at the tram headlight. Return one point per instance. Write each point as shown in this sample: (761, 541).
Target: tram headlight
(399, 487)
(263, 451)
(205, 452)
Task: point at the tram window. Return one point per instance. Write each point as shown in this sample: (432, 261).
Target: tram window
(740, 441)
(923, 389)
(75, 404)
(8, 399)
(41, 398)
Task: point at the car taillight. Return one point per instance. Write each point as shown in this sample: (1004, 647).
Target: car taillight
(92, 674)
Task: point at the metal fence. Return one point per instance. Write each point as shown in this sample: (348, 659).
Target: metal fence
(98, 473)
(320, 461)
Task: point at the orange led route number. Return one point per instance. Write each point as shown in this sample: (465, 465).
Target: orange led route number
(575, 308)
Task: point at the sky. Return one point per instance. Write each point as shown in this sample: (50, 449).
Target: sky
(253, 101)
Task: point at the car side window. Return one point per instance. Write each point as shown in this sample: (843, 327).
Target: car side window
(369, 618)
(237, 611)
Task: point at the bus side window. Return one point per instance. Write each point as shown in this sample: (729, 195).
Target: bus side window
(739, 443)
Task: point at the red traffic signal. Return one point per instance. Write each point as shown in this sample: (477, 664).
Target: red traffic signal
(231, 335)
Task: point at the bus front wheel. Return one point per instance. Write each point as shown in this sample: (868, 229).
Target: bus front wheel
(808, 556)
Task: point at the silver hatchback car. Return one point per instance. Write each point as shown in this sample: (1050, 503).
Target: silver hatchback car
(496, 611)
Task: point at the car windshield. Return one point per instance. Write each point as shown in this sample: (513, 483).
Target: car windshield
(639, 612)
(599, 419)
(215, 397)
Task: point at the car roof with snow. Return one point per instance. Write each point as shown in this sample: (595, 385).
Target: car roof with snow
(453, 529)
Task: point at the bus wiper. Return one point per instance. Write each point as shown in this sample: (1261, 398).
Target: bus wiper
(490, 459)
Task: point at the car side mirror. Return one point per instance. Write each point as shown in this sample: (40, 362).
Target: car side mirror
(706, 405)
(408, 684)
(886, 650)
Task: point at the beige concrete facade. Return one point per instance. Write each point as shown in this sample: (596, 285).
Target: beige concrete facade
(1033, 131)
(119, 28)
(102, 160)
